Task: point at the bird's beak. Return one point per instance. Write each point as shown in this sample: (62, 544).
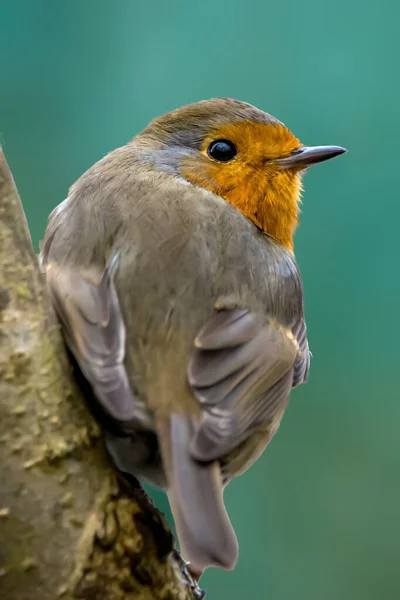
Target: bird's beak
(306, 156)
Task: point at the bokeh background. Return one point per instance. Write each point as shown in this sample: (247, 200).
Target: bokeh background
(318, 517)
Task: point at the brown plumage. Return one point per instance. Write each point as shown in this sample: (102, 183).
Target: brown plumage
(185, 318)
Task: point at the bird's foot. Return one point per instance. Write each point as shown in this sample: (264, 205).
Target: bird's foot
(191, 575)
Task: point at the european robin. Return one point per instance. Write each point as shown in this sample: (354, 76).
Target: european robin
(171, 268)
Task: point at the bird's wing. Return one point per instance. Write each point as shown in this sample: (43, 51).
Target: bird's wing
(302, 363)
(94, 332)
(242, 369)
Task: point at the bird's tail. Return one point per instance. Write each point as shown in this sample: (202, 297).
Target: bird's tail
(195, 493)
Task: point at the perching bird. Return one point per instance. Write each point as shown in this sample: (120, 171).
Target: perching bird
(171, 268)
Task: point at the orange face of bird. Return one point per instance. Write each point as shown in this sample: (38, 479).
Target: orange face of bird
(251, 180)
(241, 154)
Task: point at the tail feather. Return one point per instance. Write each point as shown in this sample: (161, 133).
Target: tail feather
(195, 492)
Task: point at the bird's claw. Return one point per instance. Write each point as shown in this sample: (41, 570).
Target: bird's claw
(191, 577)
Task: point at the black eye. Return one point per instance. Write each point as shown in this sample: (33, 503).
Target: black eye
(222, 150)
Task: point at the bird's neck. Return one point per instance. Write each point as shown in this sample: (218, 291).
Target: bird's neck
(271, 203)
(274, 207)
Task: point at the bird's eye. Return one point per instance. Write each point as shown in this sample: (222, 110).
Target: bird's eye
(222, 150)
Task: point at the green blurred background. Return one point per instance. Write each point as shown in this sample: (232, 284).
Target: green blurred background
(318, 516)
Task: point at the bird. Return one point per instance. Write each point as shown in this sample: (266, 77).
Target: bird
(171, 268)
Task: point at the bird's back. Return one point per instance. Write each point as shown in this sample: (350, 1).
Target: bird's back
(182, 248)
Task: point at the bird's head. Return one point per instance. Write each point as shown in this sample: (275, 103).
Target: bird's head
(240, 153)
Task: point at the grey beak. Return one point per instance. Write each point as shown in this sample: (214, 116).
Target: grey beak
(306, 156)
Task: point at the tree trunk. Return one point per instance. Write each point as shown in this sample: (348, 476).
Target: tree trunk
(69, 527)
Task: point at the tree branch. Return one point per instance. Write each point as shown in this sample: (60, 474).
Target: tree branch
(69, 527)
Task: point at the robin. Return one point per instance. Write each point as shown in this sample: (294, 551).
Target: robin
(171, 268)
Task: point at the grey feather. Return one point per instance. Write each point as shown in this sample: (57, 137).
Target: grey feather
(228, 328)
(138, 454)
(302, 364)
(95, 333)
(241, 385)
(195, 492)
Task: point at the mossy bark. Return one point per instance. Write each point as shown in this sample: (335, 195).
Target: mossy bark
(69, 527)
